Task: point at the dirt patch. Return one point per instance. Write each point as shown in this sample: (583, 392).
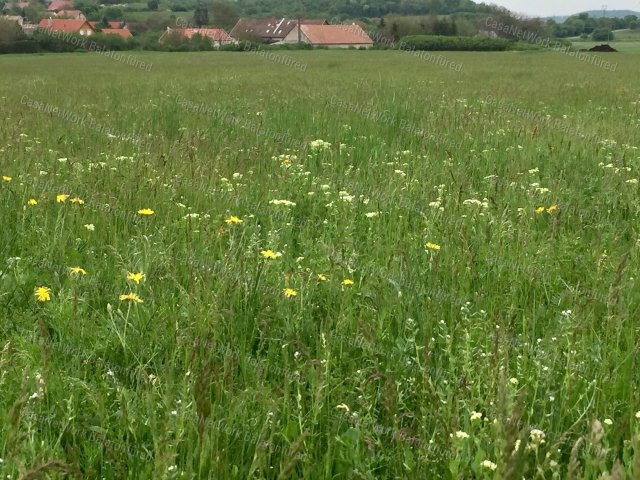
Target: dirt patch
(603, 48)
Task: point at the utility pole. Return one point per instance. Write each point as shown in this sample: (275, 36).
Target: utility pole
(604, 16)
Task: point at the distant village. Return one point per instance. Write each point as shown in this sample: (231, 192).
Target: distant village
(64, 19)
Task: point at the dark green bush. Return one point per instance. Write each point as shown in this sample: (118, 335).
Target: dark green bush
(20, 46)
(442, 43)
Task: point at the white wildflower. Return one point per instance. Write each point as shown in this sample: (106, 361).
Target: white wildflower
(488, 464)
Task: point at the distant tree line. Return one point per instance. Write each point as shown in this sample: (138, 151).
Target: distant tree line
(596, 27)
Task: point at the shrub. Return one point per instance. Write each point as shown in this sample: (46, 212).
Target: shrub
(439, 42)
(19, 46)
(602, 34)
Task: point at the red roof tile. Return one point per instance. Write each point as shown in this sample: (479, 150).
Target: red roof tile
(336, 34)
(66, 25)
(123, 32)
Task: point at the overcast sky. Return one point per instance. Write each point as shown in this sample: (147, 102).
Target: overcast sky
(547, 8)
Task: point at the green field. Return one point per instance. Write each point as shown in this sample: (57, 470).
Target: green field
(369, 266)
(627, 41)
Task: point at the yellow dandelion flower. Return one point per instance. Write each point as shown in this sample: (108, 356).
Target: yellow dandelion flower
(432, 246)
(131, 297)
(347, 281)
(322, 278)
(135, 277)
(145, 211)
(77, 271)
(32, 202)
(233, 220)
(552, 208)
(62, 197)
(43, 294)
(270, 254)
(539, 209)
(6, 179)
(77, 201)
(289, 292)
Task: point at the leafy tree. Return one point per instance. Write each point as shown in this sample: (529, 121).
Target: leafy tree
(113, 13)
(225, 14)
(153, 4)
(88, 7)
(178, 7)
(602, 34)
(10, 31)
(34, 12)
(201, 15)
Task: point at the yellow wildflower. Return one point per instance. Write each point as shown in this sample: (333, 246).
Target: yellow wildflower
(289, 292)
(322, 278)
(347, 281)
(135, 277)
(432, 246)
(233, 220)
(270, 254)
(32, 202)
(6, 179)
(62, 197)
(43, 294)
(552, 208)
(145, 211)
(539, 209)
(77, 271)
(77, 200)
(131, 297)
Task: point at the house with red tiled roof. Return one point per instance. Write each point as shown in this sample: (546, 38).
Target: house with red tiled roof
(75, 14)
(123, 32)
(331, 36)
(81, 27)
(58, 5)
(217, 36)
(268, 30)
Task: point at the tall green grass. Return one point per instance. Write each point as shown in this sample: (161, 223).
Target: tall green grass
(433, 363)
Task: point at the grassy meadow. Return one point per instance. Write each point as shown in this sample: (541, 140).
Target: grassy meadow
(371, 267)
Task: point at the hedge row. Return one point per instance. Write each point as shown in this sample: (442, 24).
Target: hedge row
(442, 43)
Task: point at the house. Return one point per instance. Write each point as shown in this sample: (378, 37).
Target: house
(58, 5)
(123, 32)
(217, 36)
(13, 18)
(75, 14)
(81, 27)
(331, 36)
(268, 30)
